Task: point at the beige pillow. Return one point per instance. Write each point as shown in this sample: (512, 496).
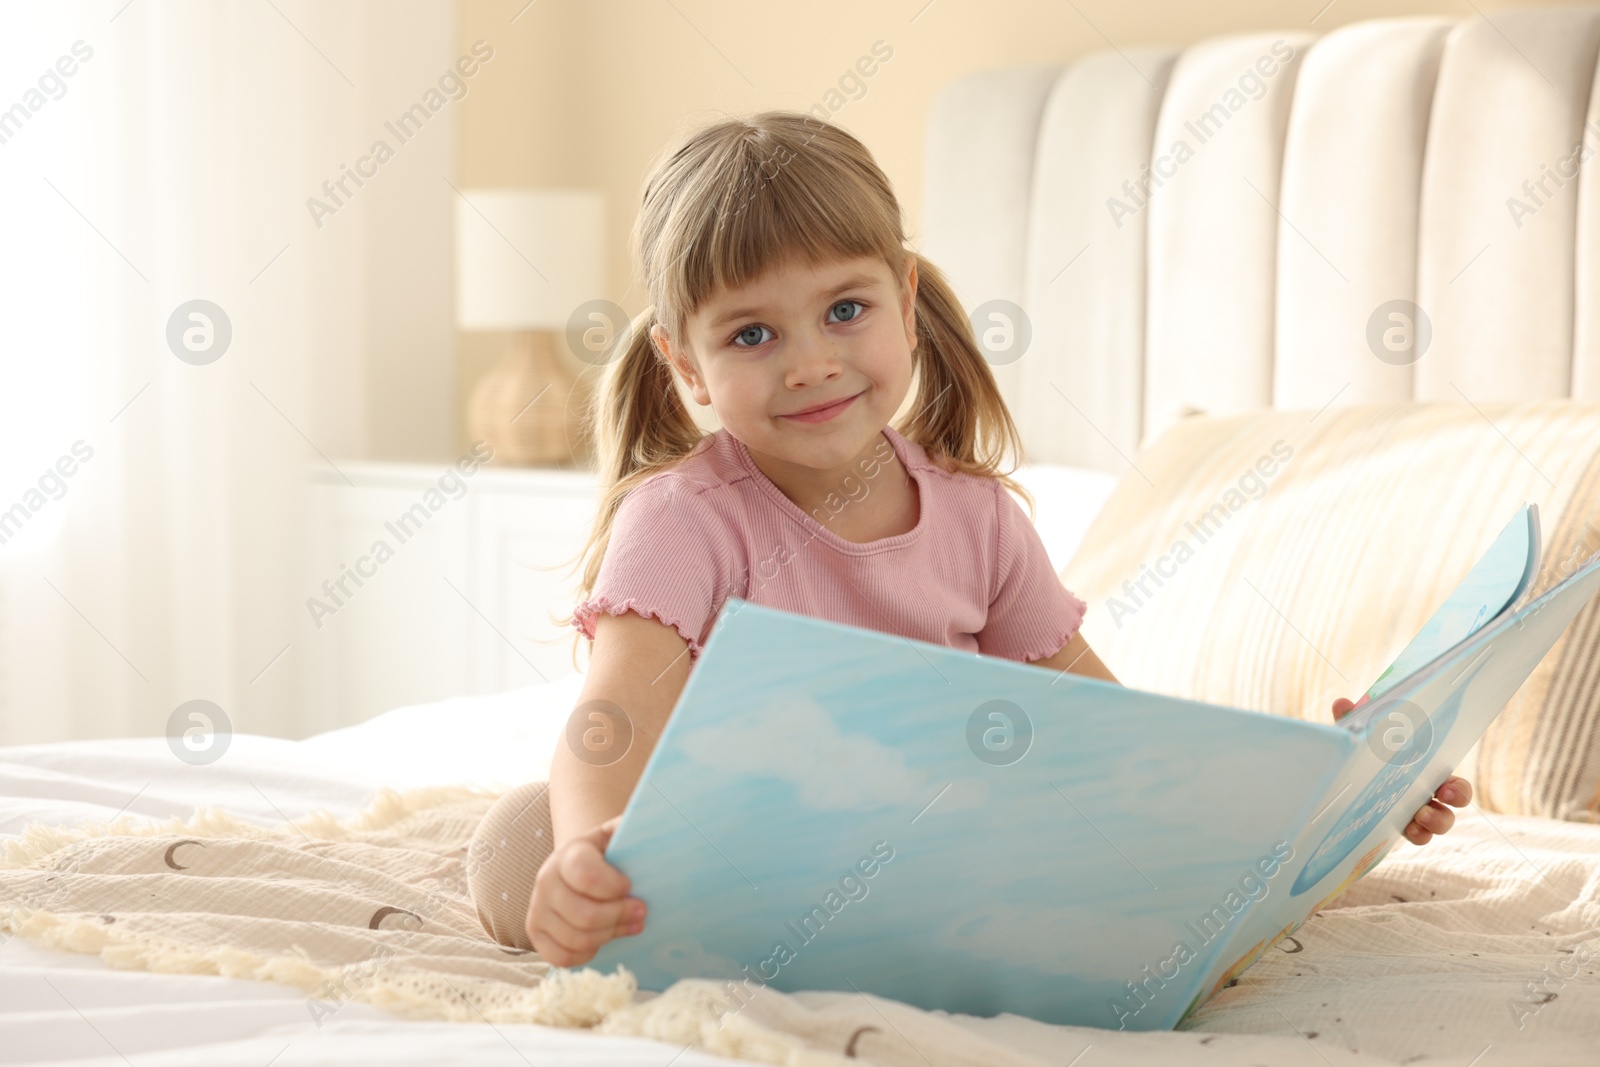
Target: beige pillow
(1279, 559)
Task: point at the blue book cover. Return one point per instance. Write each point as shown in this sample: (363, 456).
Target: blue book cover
(837, 808)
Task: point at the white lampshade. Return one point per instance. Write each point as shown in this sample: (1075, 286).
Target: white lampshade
(527, 258)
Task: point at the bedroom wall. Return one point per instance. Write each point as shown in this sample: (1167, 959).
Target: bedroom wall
(586, 94)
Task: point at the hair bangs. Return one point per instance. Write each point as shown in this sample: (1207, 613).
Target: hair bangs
(769, 199)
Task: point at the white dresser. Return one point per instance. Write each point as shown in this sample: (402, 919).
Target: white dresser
(459, 599)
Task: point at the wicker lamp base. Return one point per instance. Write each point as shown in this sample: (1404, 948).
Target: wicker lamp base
(529, 407)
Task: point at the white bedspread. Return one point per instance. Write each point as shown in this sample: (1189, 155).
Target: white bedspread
(1431, 955)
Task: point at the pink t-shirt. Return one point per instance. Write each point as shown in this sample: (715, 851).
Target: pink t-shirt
(972, 574)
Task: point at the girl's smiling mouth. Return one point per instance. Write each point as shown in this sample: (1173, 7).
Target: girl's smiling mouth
(823, 414)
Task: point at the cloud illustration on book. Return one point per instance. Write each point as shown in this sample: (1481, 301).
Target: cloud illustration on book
(799, 743)
(685, 957)
(1050, 936)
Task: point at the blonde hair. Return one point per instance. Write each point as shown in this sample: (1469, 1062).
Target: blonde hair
(728, 202)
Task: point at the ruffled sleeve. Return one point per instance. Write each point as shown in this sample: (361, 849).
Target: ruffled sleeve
(1032, 615)
(667, 560)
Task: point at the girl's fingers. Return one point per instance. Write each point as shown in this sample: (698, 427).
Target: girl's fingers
(1341, 707)
(576, 937)
(550, 948)
(584, 915)
(1417, 834)
(571, 927)
(1455, 791)
(580, 901)
(1435, 817)
(584, 868)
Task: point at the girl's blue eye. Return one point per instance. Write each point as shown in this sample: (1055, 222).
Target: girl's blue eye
(752, 341)
(745, 334)
(845, 303)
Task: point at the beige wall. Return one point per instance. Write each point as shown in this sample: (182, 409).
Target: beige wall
(586, 93)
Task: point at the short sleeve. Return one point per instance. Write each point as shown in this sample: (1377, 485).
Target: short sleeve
(666, 560)
(1032, 615)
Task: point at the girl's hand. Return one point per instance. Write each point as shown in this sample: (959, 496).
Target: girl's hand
(580, 901)
(1433, 817)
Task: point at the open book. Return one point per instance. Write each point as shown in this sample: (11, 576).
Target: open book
(832, 807)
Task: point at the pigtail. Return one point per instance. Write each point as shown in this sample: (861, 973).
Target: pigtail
(958, 416)
(640, 419)
(641, 426)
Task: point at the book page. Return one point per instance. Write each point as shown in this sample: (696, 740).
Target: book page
(1500, 577)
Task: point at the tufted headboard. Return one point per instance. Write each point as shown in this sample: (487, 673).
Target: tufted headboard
(1251, 221)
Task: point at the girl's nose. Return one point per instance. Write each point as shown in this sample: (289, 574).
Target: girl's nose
(813, 359)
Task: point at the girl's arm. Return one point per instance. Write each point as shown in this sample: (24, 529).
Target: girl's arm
(637, 669)
(1076, 656)
(579, 902)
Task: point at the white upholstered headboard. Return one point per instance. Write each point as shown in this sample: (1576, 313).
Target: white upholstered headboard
(1301, 183)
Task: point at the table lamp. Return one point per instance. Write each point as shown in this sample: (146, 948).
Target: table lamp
(526, 259)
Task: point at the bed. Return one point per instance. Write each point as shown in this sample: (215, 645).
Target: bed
(1221, 309)
(1391, 968)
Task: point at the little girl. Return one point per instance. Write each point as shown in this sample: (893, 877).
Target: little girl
(784, 298)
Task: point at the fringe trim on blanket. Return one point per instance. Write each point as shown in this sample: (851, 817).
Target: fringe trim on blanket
(691, 1012)
(386, 808)
(562, 998)
(694, 1011)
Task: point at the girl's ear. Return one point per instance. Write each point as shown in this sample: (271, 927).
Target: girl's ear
(680, 365)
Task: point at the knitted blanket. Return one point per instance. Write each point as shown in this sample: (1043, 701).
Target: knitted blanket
(1487, 936)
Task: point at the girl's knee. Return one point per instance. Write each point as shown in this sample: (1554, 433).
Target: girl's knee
(510, 844)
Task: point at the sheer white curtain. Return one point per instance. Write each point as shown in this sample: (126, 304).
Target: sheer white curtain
(151, 506)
